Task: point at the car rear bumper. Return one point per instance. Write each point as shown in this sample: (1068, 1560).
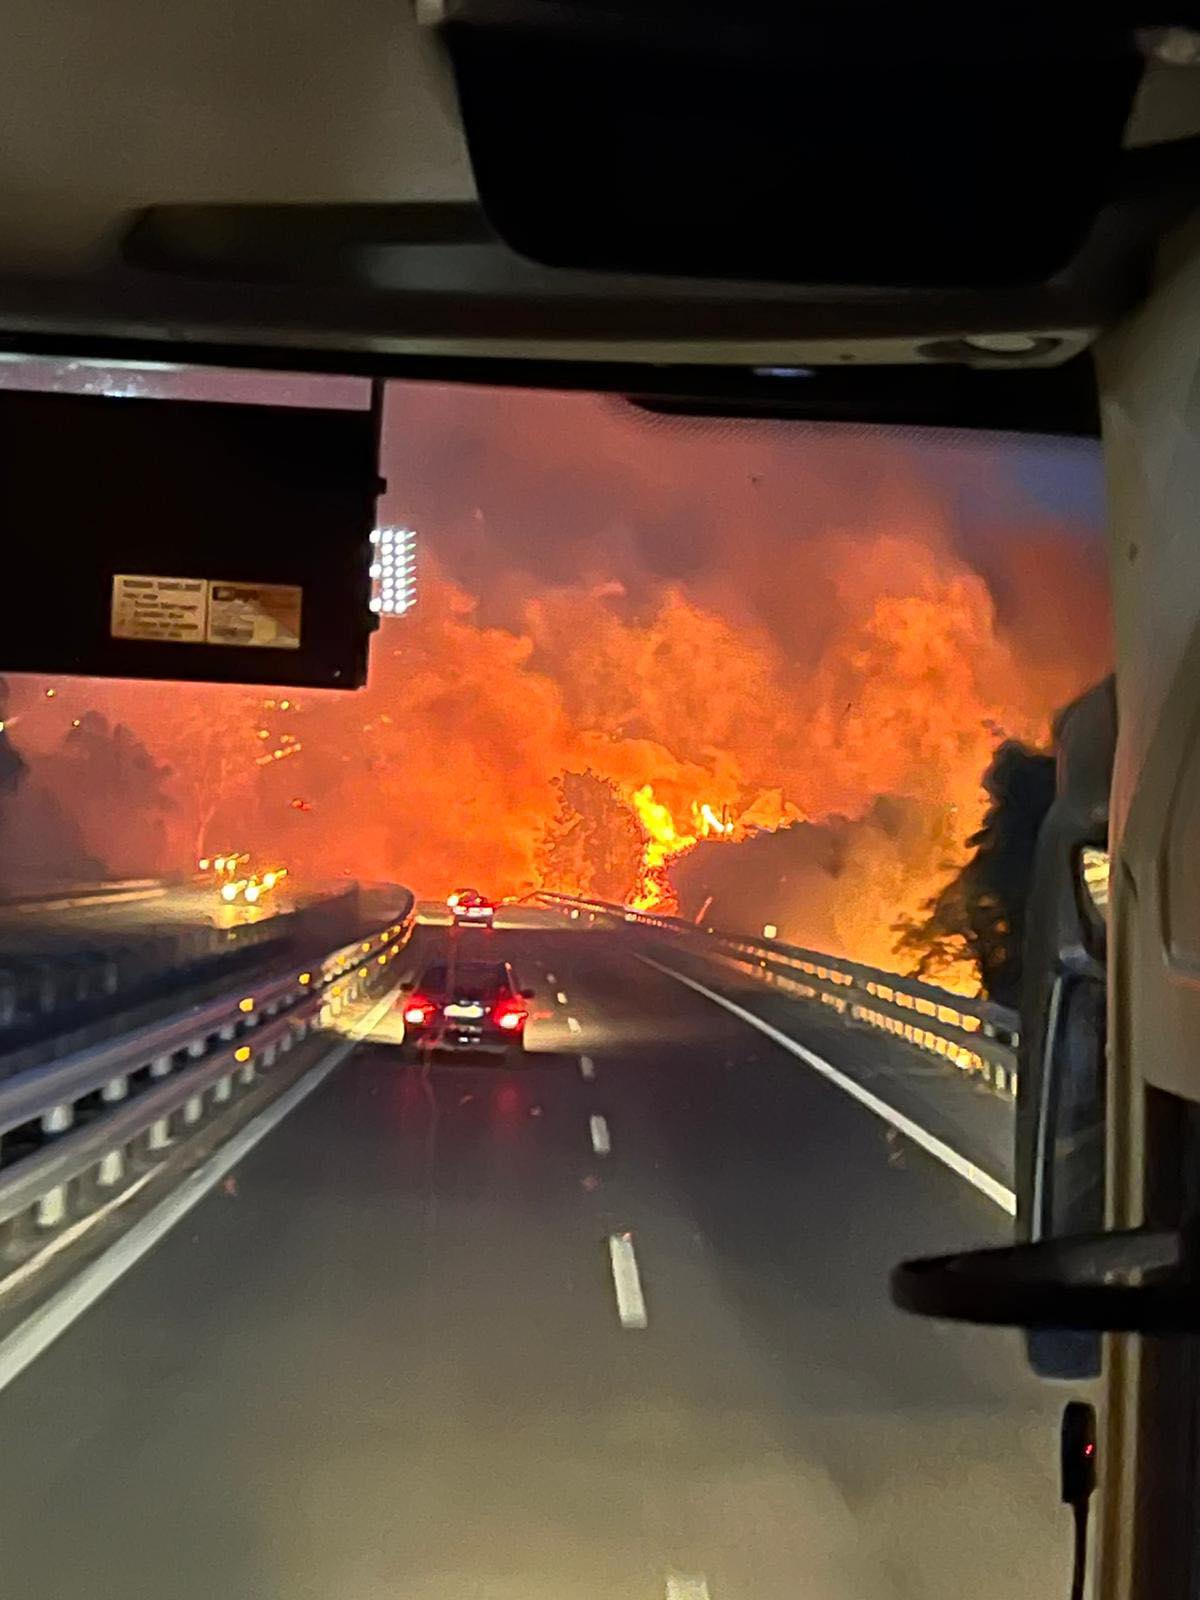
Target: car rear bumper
(463, 1041)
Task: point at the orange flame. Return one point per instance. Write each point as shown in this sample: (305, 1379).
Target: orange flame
(665, 841)
(653, 891)
(815, 660)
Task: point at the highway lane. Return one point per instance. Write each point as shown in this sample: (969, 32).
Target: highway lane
(387, 1358)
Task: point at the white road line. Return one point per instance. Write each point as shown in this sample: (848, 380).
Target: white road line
(976, 1176)
(550, 978)
(587, 1067)
(681, 1588)
(631, 1306)
(573, 1025)
(561, 998)
(27, 1341)
(601, 1139)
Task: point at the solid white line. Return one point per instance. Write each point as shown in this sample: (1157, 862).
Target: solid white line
(27, 1341)
(601, 1139)
(631, 1306)
(587, 1067)
(573, 1025)
(561, 998)
(976, 1176)
(681, 1588)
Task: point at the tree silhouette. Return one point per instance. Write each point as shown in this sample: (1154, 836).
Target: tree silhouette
(211, 746)
(592, 845)
(40, 841)
(114, 790)
(981, 911)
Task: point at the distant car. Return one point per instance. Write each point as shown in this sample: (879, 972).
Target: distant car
(468, 906)
(467, 1006)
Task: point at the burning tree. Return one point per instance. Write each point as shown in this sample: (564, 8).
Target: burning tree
(591, 845)
(663, 841)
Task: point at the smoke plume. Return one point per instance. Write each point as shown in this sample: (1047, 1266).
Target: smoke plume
(728, 629)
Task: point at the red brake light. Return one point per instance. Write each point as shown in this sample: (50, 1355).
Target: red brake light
(510, 1015)
(418, 1010)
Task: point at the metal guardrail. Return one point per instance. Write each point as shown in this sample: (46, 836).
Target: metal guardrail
(35, 987)
(69, 896)
(88, 1115)
(63, 979)
(975, 1036)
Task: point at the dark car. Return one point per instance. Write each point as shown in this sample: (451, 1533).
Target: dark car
(469, 908)
(467, 1006)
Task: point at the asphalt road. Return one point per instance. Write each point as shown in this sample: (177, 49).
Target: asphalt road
(387, 1358)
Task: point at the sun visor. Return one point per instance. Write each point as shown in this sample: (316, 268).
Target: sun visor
(797, 144)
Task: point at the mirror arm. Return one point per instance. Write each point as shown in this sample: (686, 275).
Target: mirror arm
(1145, 1280)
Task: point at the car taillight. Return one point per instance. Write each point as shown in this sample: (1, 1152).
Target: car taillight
(418, 1010)
(510, 1015)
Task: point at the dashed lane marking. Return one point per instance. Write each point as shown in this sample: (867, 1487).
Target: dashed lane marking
(561, 998)
(930, 1143)
(587, 1067)
(631, 1304)
(601, 1139)
(573, 1025)
(681, 1588)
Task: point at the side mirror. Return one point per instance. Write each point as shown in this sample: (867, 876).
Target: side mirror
(528, 994)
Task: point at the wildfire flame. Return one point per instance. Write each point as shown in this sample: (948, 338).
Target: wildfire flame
(663, 841)
(834, 660)
(711, 823)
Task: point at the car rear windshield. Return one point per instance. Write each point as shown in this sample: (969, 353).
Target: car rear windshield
(469, 974)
